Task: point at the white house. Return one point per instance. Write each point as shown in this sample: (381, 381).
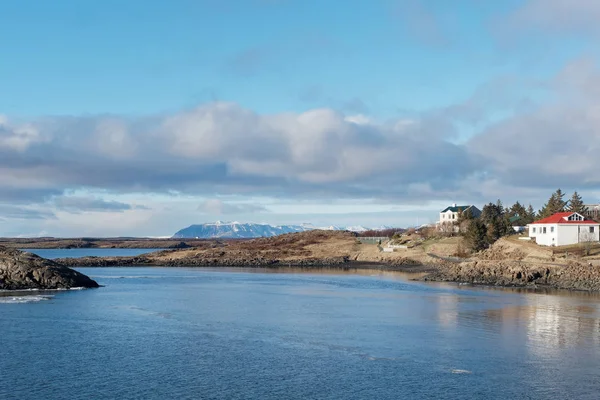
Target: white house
(450, 214)
(564, 228)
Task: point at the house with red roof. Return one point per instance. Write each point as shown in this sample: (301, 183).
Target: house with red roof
(563, 229)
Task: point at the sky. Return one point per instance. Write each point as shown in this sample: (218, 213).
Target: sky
(140, 118)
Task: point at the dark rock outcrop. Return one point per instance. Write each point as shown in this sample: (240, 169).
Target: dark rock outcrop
(180, 245)
(572, 276)
(20, 270)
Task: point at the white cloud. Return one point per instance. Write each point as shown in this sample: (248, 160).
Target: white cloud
(220, 207)
(20, 137)
(112, 138)
(220, 149)
(77, 204)
(554, 145)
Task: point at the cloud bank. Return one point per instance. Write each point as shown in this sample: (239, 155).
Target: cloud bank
(67, 167)
(225, 148)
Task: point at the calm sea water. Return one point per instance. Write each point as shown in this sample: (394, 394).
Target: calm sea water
(78, 253)
(160, 333)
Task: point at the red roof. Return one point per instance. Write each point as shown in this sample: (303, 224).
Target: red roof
(560, 218)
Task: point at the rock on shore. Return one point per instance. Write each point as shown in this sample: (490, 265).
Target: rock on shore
(20, 270)
(572, 276)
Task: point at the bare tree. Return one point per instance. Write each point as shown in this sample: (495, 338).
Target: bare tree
(587, 240)
(447, 228)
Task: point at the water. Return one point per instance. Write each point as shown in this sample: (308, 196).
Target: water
(78, 253)
(159, 333)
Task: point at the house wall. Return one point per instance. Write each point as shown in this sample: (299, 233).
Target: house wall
(448, 217)
(569, 234)
(563, 234)
(549, 238)
(585, 235)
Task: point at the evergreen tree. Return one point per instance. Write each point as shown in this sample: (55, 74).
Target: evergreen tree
(476, 235)
(496, 221)
(560, 202)
(489, 213)
(463, 216)
(518, 210)
(545, 211)
(554, 205)
(499, 206)
(530, 215)
(576, 204)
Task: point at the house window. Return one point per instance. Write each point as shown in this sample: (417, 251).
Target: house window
(544, 230)
(443, 216)
(575, 217)
(552, 229)
(533, 230)
(591, 229)
(453, 216)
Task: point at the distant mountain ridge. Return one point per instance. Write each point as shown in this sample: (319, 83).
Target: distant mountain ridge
(237, 230)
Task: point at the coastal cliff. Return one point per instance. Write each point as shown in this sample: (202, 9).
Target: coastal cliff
(20, 270)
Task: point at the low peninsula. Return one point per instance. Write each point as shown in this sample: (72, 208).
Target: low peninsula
(509, 262)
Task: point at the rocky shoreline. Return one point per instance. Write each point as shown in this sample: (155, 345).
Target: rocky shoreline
(140, 261)
(506, 264)
(20, 271)
(326, 263)
(573, 276)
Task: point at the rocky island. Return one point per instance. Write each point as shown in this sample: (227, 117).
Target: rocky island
(20, 270)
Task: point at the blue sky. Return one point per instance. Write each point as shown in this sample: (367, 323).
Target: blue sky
(142, 117)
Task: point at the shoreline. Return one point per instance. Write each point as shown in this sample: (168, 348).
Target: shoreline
(429, 273)
(508, 263)
(352, 265)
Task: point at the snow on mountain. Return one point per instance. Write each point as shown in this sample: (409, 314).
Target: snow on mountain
(234, 230)
(331, 228)
(237, 230)
(357, 229)
(383, 228)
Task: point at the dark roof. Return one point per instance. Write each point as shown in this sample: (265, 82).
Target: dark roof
(514, 218)
(456, 209)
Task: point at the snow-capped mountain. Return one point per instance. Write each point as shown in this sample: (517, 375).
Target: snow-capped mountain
(357, 229)
(237, 230)
(382, 228)
(234, 230)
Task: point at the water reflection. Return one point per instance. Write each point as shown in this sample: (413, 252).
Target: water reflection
(546, 320)
(551, 323)
(366, 271)
(448, 310)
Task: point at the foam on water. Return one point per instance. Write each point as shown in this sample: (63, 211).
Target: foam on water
(24, 299)
(126, 277)
(38, 290)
